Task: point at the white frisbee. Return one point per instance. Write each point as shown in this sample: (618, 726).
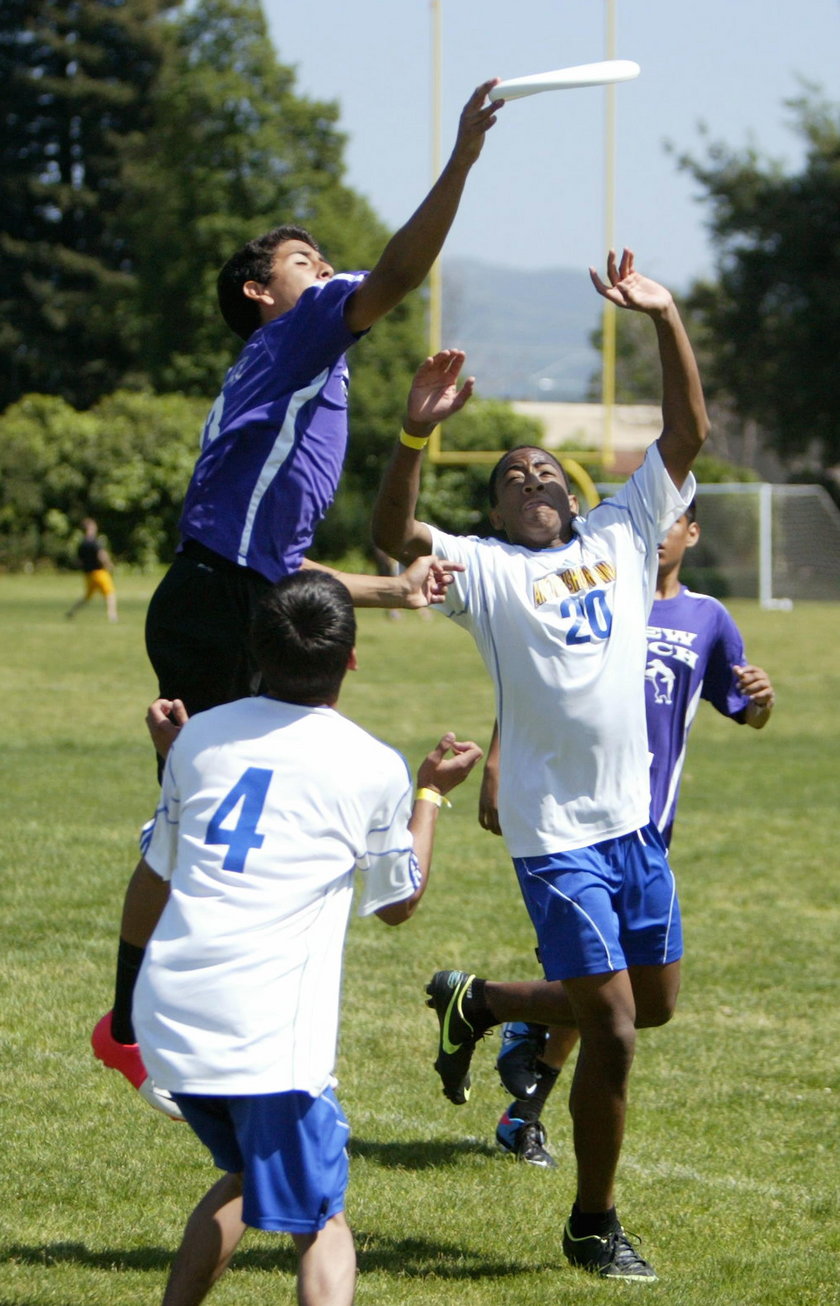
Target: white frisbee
(565, 79)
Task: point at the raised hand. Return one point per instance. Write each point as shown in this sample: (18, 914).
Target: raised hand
(476, 120)
(628, 288)
(434, 393)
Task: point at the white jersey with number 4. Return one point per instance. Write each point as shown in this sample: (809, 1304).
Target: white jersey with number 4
(563, 634)
(267, 811)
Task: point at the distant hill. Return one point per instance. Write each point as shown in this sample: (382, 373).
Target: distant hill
(526, 334)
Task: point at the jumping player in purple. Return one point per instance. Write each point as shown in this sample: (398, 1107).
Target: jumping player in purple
(695, 651)
(271, 456)
(273, 444)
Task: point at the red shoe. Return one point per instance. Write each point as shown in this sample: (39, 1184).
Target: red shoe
(126, 1058)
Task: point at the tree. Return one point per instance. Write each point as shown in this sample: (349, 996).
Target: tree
(773, 316)
(144, 141)
(126, 461)
(203, 144)
(232, 151)
(74, 84)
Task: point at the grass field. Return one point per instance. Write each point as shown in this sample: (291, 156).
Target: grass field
(730, 1168)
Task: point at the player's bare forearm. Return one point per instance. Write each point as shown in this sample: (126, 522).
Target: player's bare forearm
(408, 257)
(366, 591)
(145, 898)
(488, 798)
(424, 582)
(685, 423)
(394, 527)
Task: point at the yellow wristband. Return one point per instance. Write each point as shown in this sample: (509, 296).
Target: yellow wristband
(432, 796)
(413, 441)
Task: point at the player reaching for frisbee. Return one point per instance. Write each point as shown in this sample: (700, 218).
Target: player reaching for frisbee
(271, 455)
(695, 651)
(274, 442)
(558, 610)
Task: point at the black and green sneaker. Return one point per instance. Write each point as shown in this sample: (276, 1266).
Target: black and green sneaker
(611, 1255)
(447, 990)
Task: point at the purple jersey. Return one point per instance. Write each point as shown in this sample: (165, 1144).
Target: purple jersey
(693, 644)
(273, 444)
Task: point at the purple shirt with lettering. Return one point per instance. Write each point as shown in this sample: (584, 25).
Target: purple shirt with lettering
(693, 644)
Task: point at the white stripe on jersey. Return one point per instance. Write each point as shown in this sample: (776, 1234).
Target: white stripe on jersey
(674, 781)
(280, 451)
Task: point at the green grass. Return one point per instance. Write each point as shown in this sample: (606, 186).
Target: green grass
(730, 1167)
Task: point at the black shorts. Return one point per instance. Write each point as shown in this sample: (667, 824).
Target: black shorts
(197, 629)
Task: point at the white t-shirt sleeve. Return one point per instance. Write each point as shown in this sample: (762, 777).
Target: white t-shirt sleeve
(388, 869)
(161, 844)
(456, 548)
(653, 500)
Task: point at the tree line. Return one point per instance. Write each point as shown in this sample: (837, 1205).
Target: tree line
(143, 140)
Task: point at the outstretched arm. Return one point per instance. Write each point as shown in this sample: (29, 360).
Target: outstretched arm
(422, 584)
(410, 253)
(433, 397)
(685, 423)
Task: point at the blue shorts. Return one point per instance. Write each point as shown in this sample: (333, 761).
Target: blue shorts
(290, 1149)
(605, 907)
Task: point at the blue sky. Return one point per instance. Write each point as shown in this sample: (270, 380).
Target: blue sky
(536, 197)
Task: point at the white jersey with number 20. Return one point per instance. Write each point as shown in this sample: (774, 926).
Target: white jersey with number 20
(563, 634)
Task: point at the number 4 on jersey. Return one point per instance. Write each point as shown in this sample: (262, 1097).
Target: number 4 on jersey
(250, 790)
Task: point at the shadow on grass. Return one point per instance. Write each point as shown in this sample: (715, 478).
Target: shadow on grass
(425, 1258)
(422, 1154)
(412, 1258)
(67, 1253)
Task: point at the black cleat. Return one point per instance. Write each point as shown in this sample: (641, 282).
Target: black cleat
(447, 990)
(612, 1255)
(516, 1063)
(525, 1140)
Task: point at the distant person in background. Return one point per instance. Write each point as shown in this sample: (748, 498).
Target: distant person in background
(695, 651)
(96, 564)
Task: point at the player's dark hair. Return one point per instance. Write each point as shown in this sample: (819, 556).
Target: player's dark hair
(691, 511)
(252, 263)
(492, 492)
(302, 635)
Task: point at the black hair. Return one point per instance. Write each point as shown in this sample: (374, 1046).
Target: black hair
(302, 635)
(494, 475)
(252, 263)
(691, 511)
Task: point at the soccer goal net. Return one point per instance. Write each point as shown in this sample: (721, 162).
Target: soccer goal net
(774, 543)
